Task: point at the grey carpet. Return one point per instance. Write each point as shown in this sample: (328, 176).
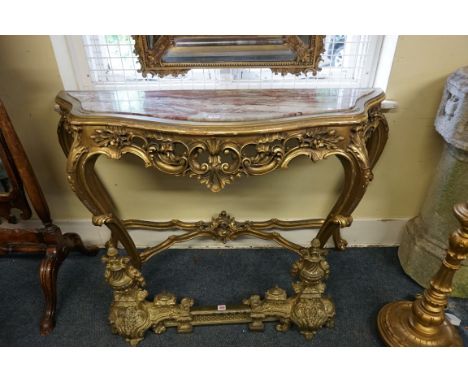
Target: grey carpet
(361, 281)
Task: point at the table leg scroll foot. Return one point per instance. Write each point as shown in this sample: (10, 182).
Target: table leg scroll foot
(332, 227)
(340, 243)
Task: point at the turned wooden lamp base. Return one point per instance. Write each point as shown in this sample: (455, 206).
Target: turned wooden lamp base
(396, 328)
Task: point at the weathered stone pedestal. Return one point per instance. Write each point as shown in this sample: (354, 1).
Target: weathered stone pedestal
(425, 237)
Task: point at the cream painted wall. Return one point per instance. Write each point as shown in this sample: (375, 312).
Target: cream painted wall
(29, 81)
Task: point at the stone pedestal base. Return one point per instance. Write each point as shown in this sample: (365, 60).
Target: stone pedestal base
(425, 238)
(421, 255)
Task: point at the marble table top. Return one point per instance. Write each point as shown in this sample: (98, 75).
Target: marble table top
(207, 106)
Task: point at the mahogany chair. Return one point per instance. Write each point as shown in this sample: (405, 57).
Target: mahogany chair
(18, 180)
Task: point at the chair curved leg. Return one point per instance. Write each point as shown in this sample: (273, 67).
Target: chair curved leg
(54, 257)
(74, 243)
(48, 276)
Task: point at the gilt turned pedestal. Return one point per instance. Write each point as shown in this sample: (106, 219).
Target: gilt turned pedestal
(217, 137)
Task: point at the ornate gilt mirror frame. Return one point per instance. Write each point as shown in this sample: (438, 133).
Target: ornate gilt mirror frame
(176, 55)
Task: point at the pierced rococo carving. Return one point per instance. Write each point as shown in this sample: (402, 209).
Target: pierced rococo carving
(216, 162)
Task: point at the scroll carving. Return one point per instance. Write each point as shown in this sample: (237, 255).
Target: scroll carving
(224, 227)
(216, 162)
(360, 136)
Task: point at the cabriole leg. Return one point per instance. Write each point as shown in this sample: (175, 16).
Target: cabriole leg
(356, 180)
(48, 277)
(363, 152)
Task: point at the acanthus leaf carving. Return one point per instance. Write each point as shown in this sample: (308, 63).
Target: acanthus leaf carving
(163, 156)
(311, 309)
(216, 162)
(327, 140)
(115, 137)
(224, 227)
(359, 150)
(376, 120)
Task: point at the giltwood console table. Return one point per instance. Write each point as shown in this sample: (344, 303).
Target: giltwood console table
(217, 136)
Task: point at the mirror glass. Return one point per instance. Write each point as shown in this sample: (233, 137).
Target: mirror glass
(206, 49)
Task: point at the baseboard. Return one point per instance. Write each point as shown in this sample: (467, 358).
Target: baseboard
(362, 233)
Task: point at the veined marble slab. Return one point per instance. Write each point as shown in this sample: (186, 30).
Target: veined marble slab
(241, 105)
